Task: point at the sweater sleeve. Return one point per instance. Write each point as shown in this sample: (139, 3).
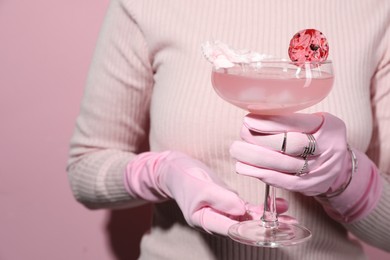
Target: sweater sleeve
(113, 122)
(375, 228)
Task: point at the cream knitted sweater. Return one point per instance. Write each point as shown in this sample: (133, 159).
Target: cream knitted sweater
(149, 83)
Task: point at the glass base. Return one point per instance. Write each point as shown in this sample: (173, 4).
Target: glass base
(254, 233)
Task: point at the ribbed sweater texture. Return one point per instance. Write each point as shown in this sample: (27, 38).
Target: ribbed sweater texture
(149, 86)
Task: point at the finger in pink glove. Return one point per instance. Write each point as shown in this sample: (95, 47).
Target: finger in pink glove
(329, 162)
(255, 212)
(329, 168)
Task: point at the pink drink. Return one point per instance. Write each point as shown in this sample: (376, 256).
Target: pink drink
(273, 90)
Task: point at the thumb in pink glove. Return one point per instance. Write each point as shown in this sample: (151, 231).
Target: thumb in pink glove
(204, 200)
(329, 169)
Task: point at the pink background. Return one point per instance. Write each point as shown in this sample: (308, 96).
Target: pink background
(45, 50)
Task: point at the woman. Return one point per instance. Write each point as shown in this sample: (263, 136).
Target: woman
(149, 82)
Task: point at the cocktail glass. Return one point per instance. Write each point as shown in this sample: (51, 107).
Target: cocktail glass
(272, 87)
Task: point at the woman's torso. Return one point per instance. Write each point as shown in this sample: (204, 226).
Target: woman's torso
(187, 115)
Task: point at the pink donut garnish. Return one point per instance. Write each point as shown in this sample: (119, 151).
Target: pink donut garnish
(308, 45)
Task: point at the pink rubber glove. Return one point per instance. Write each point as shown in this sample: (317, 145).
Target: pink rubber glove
(204, 200)
(327, 170)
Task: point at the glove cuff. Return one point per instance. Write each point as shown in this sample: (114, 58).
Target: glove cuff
(359, 198)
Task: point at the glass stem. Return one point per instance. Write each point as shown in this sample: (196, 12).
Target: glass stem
(270, 217)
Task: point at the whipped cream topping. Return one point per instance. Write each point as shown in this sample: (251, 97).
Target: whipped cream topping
(222, 55)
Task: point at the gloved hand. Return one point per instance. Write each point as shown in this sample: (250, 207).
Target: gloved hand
(327, 170)
(204, 200)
